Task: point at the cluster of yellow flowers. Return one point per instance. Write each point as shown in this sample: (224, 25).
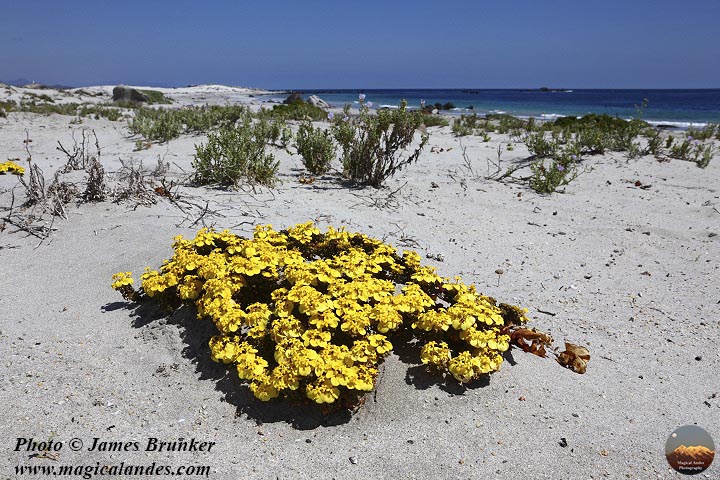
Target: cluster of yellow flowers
(304, 311)
(12, 168)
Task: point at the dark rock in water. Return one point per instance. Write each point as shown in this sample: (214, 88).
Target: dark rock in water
(470, 107)
(664, 126)
(293, 98)
(121, 93)
(554, 90)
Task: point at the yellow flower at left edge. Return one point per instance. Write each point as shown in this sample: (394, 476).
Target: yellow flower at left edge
(12, 168)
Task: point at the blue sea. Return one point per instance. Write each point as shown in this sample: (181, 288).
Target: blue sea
(679, 108)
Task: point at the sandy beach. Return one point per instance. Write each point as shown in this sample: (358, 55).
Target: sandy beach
(624, 260)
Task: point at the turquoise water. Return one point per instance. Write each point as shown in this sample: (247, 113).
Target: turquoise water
(679, 108)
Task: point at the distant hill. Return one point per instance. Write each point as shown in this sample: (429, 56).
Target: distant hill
(18, 82)
(21, 82)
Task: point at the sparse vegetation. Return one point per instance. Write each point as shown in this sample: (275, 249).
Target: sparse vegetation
(298, 110)
(236, 154)
(316, 147)
(430, 120)
(372, 144)
(164, 125)
(157, 98)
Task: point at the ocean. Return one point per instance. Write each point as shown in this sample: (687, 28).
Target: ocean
(679, 108)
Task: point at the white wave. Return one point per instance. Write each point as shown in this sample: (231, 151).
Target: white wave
(678, 124)
(551, 116)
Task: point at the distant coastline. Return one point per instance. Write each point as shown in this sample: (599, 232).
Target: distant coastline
(672, 107)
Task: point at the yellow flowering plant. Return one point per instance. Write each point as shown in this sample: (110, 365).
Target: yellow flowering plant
(11, 168)
(302, 312)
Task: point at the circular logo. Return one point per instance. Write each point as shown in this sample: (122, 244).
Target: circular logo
(690, 450)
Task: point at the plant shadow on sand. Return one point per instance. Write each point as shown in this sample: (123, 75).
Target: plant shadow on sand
(302, 415)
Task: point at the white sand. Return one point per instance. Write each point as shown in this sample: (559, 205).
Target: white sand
(76, 363)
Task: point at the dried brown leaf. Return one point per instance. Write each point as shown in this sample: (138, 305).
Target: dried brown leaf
(574, 357)
(532, 341)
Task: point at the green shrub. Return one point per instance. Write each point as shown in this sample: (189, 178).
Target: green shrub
(547, 178)
(316, 147)
(506, 123)
(155, 97)
(275, 131)
(539, 145)
(203, 119)
(372, 145)
(600, 133)
(156, 125)
(465, 125)
(654, 145)
(165, 124)
(702, 134)
(692, 150)
(112, 114)
(235, 154)
(8, 106)
(49, 108)
(299, 110)
(434, 121)
(44, 97)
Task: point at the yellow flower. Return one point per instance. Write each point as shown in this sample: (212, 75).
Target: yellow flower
(249, 364)
(283, 377)
(316, 338)
(386, 317)
(380, 343)
(122, 279)
(225, 349)
(426, 275)
(462, 367)
(12, 168)
(262, 387)
(363, 378)
(322, 391)
(435, 353)
(190, 288)
(437, 320)
(285, 328)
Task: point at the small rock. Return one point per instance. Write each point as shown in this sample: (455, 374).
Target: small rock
(293, 98)
(353, 460)
(127, 94)
(318, 102)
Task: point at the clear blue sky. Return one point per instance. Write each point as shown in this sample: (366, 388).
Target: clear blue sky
(370, 44)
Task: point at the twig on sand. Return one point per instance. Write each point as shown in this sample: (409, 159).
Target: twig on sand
(388, 201)
(405, 240)
(552, 314)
